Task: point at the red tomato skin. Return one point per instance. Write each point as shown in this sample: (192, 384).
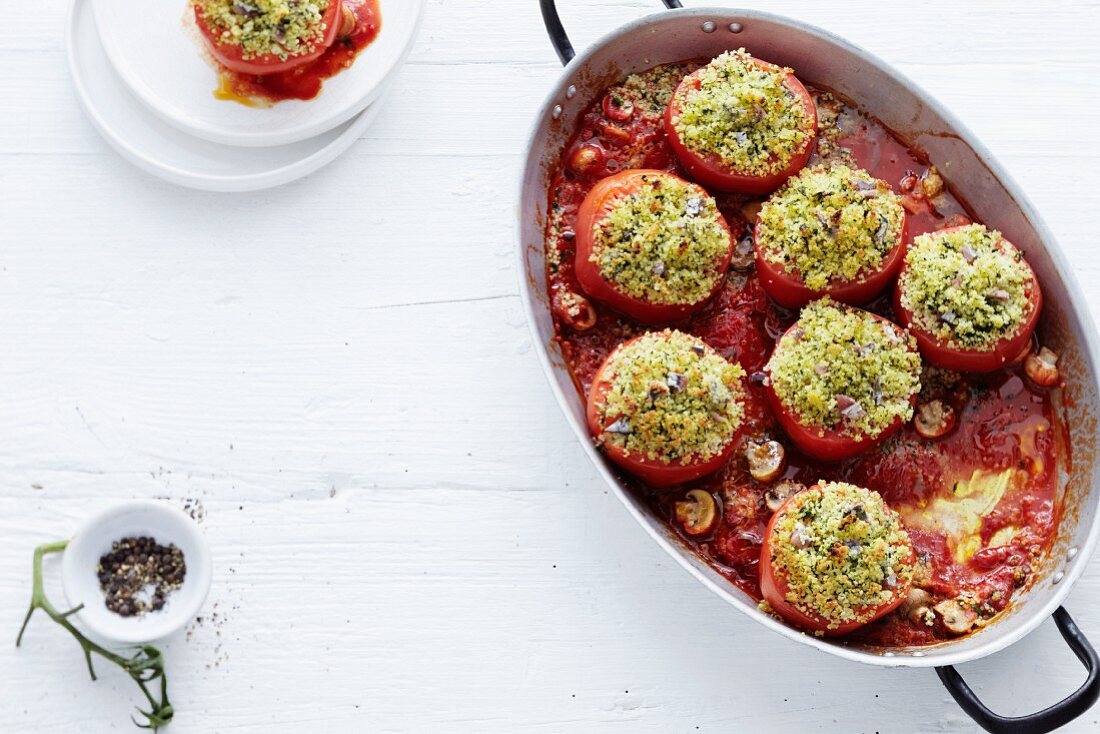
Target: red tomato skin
(789, 290)
(229, 55)
(821, 443)
(828, 445)
(654, 473)
(773, 587)
(588, 273)
(711, 172)
(933, 349)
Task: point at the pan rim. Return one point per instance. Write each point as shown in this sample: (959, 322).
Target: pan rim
(928, 656)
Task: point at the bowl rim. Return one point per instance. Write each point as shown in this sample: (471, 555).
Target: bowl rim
(138, 630)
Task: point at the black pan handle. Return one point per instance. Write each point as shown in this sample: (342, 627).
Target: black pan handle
(1048, 719)
(558, 36)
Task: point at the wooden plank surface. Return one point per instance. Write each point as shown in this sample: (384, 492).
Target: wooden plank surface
(407, 537)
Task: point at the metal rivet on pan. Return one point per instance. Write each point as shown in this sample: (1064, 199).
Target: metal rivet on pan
(736, 27)
(1071, 553)
(710, 26)
(571, 92)
(556, 112)
(1057, 577)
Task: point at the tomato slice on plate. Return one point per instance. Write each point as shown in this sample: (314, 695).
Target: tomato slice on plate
(708, 168)
(1005, 351)
(231, 56)
(775, 589)
(592, 210)
(787, 289)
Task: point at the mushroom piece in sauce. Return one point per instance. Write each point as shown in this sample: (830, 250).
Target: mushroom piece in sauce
(957, 617)
(934, 419)
(779, 493)
(697, 513)
(766, 459)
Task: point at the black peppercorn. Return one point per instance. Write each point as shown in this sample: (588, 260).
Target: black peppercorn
(137, 575)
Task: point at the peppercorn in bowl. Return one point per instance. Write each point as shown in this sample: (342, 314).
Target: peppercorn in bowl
(138, 571)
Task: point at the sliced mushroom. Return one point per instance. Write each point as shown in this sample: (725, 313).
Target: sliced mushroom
(915, 607)
(934, 419)
(779, 493)
(1042, 367)
(245, 9)
(800, 536)
(766, 459)
(576, 311)
(621, 426)
(347, 22)
(759, 379)
(849, 407)
(697, 513)
(957, 617)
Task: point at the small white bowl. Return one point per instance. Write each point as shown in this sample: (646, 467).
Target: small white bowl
(137, 518)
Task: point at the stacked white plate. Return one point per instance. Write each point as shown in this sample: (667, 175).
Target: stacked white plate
(148, 87)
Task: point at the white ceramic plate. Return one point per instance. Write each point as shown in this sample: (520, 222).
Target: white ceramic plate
(156, 50)
(138, 518)
(160, 149)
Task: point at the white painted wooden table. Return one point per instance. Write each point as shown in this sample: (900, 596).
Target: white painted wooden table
(407, 537)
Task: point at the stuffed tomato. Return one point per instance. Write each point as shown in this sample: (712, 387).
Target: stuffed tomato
(832, 231)
(969, 297)
(835, 557)
(666, 407)
(651, 245)
(841, 381)
(263, 37)
(740, 124)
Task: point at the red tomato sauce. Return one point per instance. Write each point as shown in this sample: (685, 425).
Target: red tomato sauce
(304, 82)
(1006, 427)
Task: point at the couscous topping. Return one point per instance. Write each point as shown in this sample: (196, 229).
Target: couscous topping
(830, 224)
(671, 397)
(843, 369)
(663, 242)
(967, 286)
(744, 113)
(842, 552)
(281, 28)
